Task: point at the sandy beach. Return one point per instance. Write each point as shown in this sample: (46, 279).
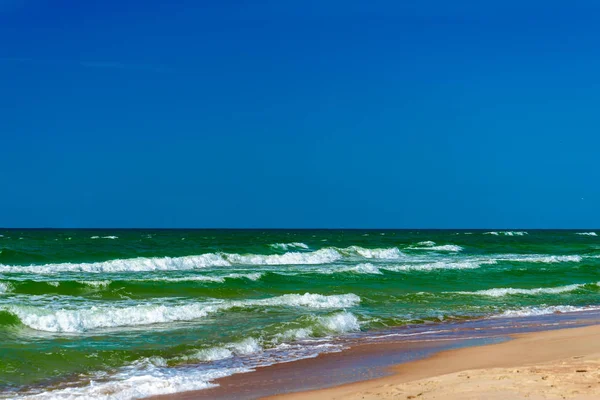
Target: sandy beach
(549, 364)
(561, 364)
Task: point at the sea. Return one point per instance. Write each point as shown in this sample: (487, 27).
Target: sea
(125, 314)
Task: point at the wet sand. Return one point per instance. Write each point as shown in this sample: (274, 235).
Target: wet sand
(560, 364)
(474, 361)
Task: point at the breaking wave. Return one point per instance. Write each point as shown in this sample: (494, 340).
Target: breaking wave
(5, 287)
(441, 265)
(538, 258)
(500, 292)
(507, 233)
(144, 378)
(533, 311)
(322, 256)
(102, 317)
(429, 245)
(587, 233)
(287, 246)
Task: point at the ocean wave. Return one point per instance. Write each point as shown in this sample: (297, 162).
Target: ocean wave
(254, 276)
(391, 253)
(318, 326)
(104, 237)
(587, 233)
(500, 292)
(96, 284)
(244, 347)
(322, 256)
(144, 378)
(544, 310)
(5, 287)
(539, 258)
(100, 317)
(364, 268)
(507, 233)
(124, 265)
(440, 265)
(153, 376)
(286, 246)
(431, 246)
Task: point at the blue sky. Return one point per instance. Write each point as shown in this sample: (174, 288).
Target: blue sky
(381, 114)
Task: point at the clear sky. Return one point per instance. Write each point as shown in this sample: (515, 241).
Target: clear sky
(333, 114)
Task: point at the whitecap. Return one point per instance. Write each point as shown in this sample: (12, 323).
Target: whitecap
(500, 292)
(144, 378)
(544, 310)
(5, 287)
(322, 256)
(244, 347)
(587, 233)
(539, 258)
(440, 265)
(507, 233)
(286, 246)
(431, 246)
(103, 316)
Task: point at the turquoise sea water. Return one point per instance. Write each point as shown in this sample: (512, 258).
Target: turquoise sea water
(130, 313)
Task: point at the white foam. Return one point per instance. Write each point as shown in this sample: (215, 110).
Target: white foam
(244, 347)
(254, 276)
(587, 233)
(96, 284)
(5, 287)
(539, 258)
(471, 264)
(500, 292)
(507, 233)
(321, 256)
(144, 378)
(533, 311)
(309, 300)
(125, 265)
(342, 322)
(365, 268)
(98, 317)
(104, 237)
(429, 245)
(286, 246)
(386, 254)
(339, 323)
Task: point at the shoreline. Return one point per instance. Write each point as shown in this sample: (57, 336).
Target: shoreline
(561, 363)
(366, 366)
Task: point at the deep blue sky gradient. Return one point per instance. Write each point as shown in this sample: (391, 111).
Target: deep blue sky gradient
(382, 114)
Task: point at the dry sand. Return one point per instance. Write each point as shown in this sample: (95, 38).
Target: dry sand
(561, 364)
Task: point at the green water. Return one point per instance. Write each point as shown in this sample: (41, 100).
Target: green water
(130, 313)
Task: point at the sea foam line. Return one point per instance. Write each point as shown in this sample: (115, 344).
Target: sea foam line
(99, 317)
(544, 310)
(431, 246)
(322, 256)
(500, 292)
(286, 246)
(507, 233)
(587, 233)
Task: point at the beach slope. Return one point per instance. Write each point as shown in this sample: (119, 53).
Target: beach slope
(560, 364)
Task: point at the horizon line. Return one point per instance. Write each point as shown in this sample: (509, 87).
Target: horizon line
(296, 229)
